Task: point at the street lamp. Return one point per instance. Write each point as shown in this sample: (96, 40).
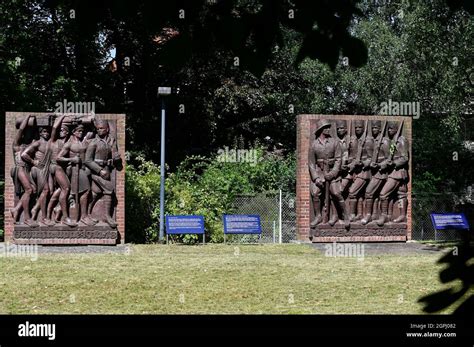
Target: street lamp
(162, 91)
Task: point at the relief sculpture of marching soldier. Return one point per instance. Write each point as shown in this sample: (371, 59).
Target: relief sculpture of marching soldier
(358, 167)
(325, 157)
(359, 184)
(377, 146)
(103, 159)
(344, 141)
(396, 167)
(389, 165)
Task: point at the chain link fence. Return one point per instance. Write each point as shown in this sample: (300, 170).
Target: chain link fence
(277, 212)
(288, 214)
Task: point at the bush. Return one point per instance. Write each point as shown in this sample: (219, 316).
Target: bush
(199, 186)
(142, 187)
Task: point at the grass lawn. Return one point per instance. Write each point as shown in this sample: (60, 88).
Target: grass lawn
(159, 279)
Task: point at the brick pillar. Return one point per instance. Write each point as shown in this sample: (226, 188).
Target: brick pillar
(10, 118)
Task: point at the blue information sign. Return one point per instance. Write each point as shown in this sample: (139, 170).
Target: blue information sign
(444, 221)
(184, 224)
(242, 224)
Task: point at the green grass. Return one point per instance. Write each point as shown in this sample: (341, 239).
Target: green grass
(159, 279)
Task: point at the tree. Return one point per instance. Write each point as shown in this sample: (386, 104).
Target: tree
(293, 57)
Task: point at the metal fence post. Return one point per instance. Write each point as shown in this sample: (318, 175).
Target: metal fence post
(280, 221)
(274, 230)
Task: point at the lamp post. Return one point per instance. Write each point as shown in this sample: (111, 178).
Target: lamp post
(162, 92)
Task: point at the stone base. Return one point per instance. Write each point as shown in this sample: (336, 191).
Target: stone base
(359, 233)
(99, 234)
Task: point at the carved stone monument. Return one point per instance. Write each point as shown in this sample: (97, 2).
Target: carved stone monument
(354, 178)
(64, 178)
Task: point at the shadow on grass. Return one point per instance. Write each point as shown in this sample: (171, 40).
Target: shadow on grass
(460, 266)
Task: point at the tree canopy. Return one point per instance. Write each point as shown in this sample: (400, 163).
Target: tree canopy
(246, 68)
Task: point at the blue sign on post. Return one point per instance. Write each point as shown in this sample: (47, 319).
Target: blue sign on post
(444, 221)
(242, 224)
(176, 225)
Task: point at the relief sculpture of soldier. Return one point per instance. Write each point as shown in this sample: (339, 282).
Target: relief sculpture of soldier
(37, 154)
(325, 157)
(102, 158)
(344, 140)
(377, 147)
(20, 173)
(395, 166)
(358, 167)
(73, 155)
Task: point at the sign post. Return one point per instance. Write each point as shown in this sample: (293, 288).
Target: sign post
(162, 92)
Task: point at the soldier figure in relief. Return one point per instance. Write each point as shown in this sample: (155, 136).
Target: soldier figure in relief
(346, 177)
(324, 160)
(396, 168)
(377, 147)
(102, 157)
(359, 168)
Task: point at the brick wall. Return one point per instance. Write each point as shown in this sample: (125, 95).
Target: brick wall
(10, 132)
(9, 189)
(305, 134)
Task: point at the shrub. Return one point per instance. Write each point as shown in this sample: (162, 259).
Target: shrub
(142, 184)
(200, 186)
